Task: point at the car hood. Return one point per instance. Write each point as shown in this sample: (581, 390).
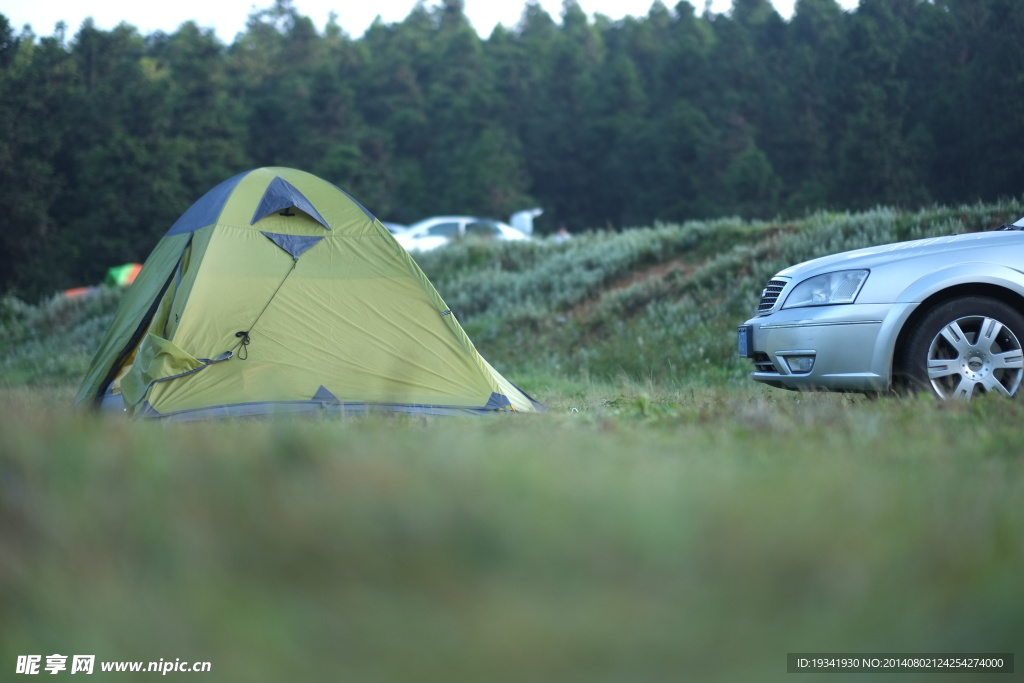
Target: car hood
(981, 246)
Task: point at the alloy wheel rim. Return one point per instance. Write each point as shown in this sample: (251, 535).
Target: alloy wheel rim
(974, 355)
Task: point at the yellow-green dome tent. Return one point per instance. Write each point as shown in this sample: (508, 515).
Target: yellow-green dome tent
(278, 292)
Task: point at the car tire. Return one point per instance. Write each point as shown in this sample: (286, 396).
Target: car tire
(963, 347)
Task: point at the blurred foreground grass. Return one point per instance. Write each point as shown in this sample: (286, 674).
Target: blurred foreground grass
(631, 534)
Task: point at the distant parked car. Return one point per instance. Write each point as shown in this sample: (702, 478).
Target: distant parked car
(395, 228)
(944, 315)
(440, 230)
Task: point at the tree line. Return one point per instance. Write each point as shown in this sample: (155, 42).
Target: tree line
(107, 136)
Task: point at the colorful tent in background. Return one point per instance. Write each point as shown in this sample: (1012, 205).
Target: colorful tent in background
(277, 292)
(80, 292)
(122, 276)
(118, 276)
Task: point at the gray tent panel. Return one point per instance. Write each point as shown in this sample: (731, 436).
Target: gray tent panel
(207, 209)
(281, 195)
(497, 402)
(295, 245)
(322, 395)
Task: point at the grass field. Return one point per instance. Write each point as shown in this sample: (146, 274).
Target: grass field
(629, 534)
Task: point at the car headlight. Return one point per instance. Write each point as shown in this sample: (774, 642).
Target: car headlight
(840, 287)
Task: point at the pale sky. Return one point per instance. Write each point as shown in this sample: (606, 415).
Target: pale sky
(228, 17)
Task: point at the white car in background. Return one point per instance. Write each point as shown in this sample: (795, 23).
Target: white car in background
(435, 232)
(394, 228)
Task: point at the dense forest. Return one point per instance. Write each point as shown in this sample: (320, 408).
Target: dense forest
(107, 136)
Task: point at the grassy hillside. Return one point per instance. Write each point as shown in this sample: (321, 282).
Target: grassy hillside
(665, 520)
(659, 302)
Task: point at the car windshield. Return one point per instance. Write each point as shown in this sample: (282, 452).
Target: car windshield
(482, 230)
(443, 230)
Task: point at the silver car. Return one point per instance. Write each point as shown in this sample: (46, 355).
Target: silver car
(944, 315)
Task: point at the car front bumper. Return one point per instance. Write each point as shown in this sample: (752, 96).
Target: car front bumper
(837, 348)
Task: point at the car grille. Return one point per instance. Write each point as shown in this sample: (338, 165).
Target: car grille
(770, 295)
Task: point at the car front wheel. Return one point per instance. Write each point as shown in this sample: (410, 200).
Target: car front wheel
(962, 348)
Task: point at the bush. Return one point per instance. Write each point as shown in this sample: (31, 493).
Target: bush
(52, 342)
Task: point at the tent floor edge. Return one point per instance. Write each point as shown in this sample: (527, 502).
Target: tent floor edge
(272, 409)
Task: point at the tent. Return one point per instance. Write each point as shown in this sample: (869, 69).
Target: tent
(117, 276)
(278, 292)
(123, 275)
